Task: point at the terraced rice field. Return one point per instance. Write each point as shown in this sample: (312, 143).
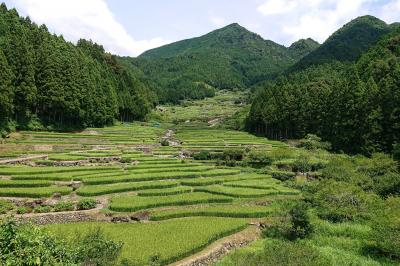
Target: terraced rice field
(168, 241)
(131, 174)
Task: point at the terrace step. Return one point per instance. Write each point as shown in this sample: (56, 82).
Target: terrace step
(22, 159)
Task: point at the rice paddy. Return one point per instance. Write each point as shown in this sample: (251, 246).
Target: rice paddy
(129, 169)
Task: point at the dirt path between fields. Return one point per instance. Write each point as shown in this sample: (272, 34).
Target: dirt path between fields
(22, 159)
(221, 247)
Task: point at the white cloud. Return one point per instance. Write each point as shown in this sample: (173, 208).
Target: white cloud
(274, 7)
(89, 19)
(317, 19)
(391, 11)
(218, 21)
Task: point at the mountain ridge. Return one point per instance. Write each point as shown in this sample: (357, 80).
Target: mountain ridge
(348, 42)
(226, 58)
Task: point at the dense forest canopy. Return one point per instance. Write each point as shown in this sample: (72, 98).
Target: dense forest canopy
(347, 43)
(355, 106)
(228, 58)
(46, 80)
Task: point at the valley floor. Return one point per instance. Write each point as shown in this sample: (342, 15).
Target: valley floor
(159, 187)
(142, 175)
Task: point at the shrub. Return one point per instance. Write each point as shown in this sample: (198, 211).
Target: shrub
(233, 154)
(164, 142)
(340, 201)
(23, 210)
(379, 164)
(302, 164)
(5, 206)
(300, 222)
(126, 160)
(96, 249)
(29, 245)
(203, 155)
(396, 151)
(42, 209)
(25, 244)
(282, 175)
(388, 185)
(386, 229)
(313, 142)
(258, 158)
(86, 204)
(282, 153)
(296, 226)
(277, 252)
(63, 206)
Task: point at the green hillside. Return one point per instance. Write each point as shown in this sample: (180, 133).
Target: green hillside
(228, 58)
(303, 47)
(348, 43)
(49, 83)
(352, 105)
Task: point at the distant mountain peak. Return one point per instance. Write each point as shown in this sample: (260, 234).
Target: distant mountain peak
(303, 47)
(234, 25)
(347, 43)
(234, 30)
(304, 42)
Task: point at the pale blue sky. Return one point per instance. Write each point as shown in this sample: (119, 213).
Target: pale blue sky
(129, 27)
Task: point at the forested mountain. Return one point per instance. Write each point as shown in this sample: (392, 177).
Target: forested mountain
(348, 43)
(231, 57)
(48, 81)
(355, 106)
(303, 47)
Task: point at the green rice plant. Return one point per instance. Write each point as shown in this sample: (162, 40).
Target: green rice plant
(67, 176)
(161, 164)
(206, 181)
(165, 191)
(265, 183)
(194, 168)
(25, 183)
(153, 243)
(158, 176)
(237, 192)
(97, 190)
(34, 192)
(234, 211)
(135, 203)
(23, 170)
(100, 174)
